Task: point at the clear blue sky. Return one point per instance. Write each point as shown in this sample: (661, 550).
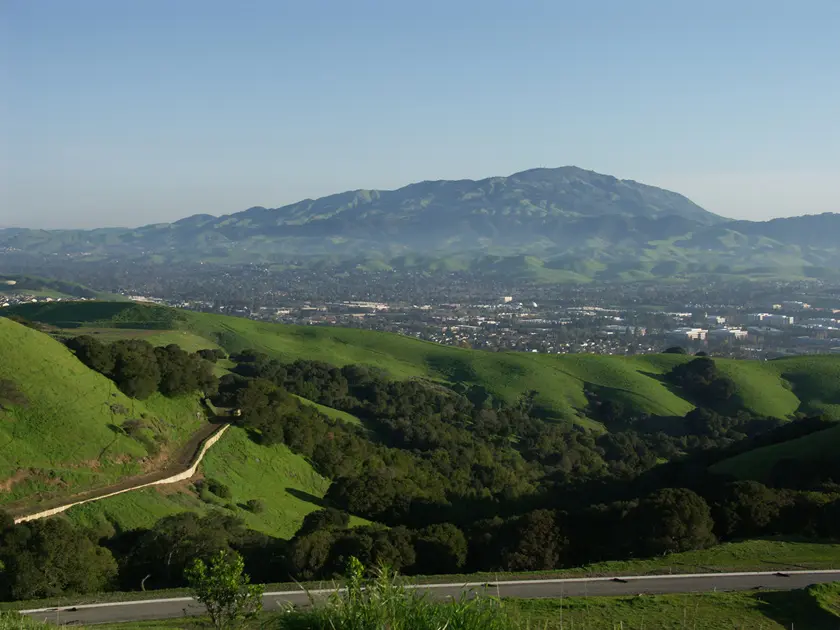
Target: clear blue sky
(126, 112)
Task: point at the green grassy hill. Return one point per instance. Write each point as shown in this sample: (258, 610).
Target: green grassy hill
(59, 421)
(775, 388)
(285, 482)
(758, 464)
(59, 435)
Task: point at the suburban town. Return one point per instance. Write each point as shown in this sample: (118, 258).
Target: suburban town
(537, 321)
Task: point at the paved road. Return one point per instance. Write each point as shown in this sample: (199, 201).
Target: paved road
(573, 587)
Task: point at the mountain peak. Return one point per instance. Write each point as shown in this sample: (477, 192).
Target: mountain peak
(541, 209)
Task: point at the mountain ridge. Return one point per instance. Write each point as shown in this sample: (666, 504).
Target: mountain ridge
(554, 214)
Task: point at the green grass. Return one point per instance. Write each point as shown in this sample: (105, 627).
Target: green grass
(709, 611)
(559, 380)
(14, 621)
(285, 482)
(747, 555)
(758, 464)
(827, 597)
(61, 439)
(775, 388)
(816, 381)
(335, 414)
(760, 387)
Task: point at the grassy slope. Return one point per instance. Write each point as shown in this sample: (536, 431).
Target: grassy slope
(769, 388)
(828, 597)
(758, 464)
(559, 381)
(60, 442)
(760, 387)
(776, 388)
(816, 380)
(285, 482)
(335, 414)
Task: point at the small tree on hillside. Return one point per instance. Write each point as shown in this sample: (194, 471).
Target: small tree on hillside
(226, 591)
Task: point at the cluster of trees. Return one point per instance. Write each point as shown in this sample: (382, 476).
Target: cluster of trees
(701, 379)
(139, 369)
(51, 557)
(667, 520)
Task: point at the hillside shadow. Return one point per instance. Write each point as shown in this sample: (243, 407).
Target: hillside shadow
(796, 609)
(305, 496)
(632, 416)
(454, 369)
(676, 390)
(669, 425)
(804, 389)
(731, 407)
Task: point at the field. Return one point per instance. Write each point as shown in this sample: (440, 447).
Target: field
(59, 424)
(776, 388)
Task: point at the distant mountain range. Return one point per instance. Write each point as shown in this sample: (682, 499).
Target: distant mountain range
(551, 224)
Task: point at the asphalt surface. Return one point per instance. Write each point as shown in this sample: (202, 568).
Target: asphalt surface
(555, 588)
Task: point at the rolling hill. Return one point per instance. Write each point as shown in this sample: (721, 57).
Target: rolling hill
(60, 435)
(775, 388)
(60, 422)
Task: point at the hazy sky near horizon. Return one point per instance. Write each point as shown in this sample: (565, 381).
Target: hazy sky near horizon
(127, 112)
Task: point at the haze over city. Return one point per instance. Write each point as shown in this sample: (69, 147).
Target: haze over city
(128, 113)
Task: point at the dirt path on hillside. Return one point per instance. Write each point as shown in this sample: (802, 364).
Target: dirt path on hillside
(186, 457)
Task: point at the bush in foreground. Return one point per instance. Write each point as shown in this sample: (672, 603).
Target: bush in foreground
(225, 590)
(385, 602)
